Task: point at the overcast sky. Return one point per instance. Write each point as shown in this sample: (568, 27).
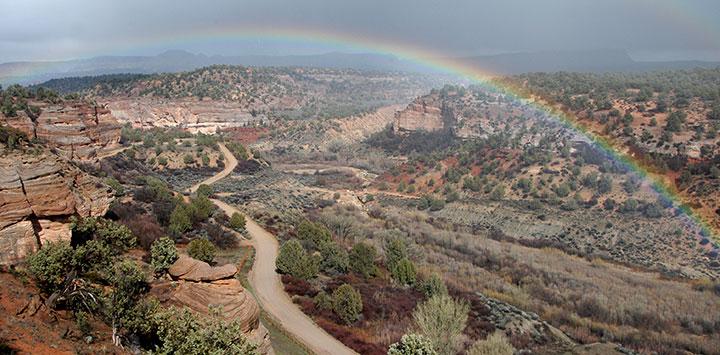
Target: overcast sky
(648, 29)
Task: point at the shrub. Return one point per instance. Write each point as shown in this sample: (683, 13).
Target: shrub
(498, 193)
(114, 184)
(315, 233)
(293, 260)
(163, 253)
(200, 208)
(188, 159)
(362, 259)
(237, 222)
(115, 235)
(334, 259)
(128, 284)
(201, 249)
(432, 286)
(395, 250)
(289, 257)
(442, 319)
(412, 344)
(347, 303)
(323, 301)
(51, 264)
(495, 344)
(404, 272)
(182, 332)
(204, 190)
(180, 221)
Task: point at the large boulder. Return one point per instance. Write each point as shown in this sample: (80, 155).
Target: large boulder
(201, 288)
(187, 268)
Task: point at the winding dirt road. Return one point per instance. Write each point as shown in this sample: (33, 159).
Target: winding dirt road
(267, 283)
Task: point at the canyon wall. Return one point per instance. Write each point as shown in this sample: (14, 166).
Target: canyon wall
(75, 129)
(38, 194)
(204, 116)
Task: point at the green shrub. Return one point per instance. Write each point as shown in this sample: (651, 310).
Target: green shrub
(404, 272)
(362, 259)
(432, 286)
(50, 265)
(290, 257)
(188, 159)
(237, 222)
(495, 344)
(293, 260)
(180, 219)
(395, 250)
(183, 332)
(118, 188)
(204, 190)
(115, 235)
(347, 303)
(200, 208)
(314, 233)
(323, 301)
(412, 344)
(128, 285)
(201, 249)
(163, 253)
(442, 320)
(335, 259)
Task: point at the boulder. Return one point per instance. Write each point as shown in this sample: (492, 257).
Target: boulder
(189, 269)
(234, 301)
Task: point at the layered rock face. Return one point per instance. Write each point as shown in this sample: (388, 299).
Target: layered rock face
(192, 115)
(77, 130)
(201, 287)
(38, 194)
(422, 114)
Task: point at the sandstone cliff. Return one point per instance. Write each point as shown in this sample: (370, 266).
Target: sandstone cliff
(38, 194)
(193, 115)
(424, 113)
(77, 130)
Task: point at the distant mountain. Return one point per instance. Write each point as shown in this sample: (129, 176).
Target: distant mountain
(595, 61)
(177, 60)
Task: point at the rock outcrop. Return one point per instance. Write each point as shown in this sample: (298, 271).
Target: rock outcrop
(424, 113)
(192, 115)
(190, 269)
(77, 130)
(201, 287)
(38, 194)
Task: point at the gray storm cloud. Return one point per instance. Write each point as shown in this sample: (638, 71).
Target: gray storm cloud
(33, 30)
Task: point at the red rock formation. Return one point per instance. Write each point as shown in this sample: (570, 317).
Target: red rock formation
(424, 113)
(194, 115)
(218, 288)
(38, 193)
(76, 129)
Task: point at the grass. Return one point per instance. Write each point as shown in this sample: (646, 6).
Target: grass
(283, 343)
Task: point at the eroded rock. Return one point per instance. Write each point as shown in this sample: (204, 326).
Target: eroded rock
(38, 194)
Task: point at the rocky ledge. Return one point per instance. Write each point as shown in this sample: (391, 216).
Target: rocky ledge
(77, 130)
(38, 194)
(201, 287)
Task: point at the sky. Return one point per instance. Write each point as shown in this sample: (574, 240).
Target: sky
(647, 29)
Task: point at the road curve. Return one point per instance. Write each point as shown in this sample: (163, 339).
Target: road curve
(230, 164)
(267, 283)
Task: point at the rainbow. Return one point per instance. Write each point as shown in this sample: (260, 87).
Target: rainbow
(435, 61)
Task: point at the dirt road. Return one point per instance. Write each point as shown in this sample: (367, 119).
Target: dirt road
(267, 284)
